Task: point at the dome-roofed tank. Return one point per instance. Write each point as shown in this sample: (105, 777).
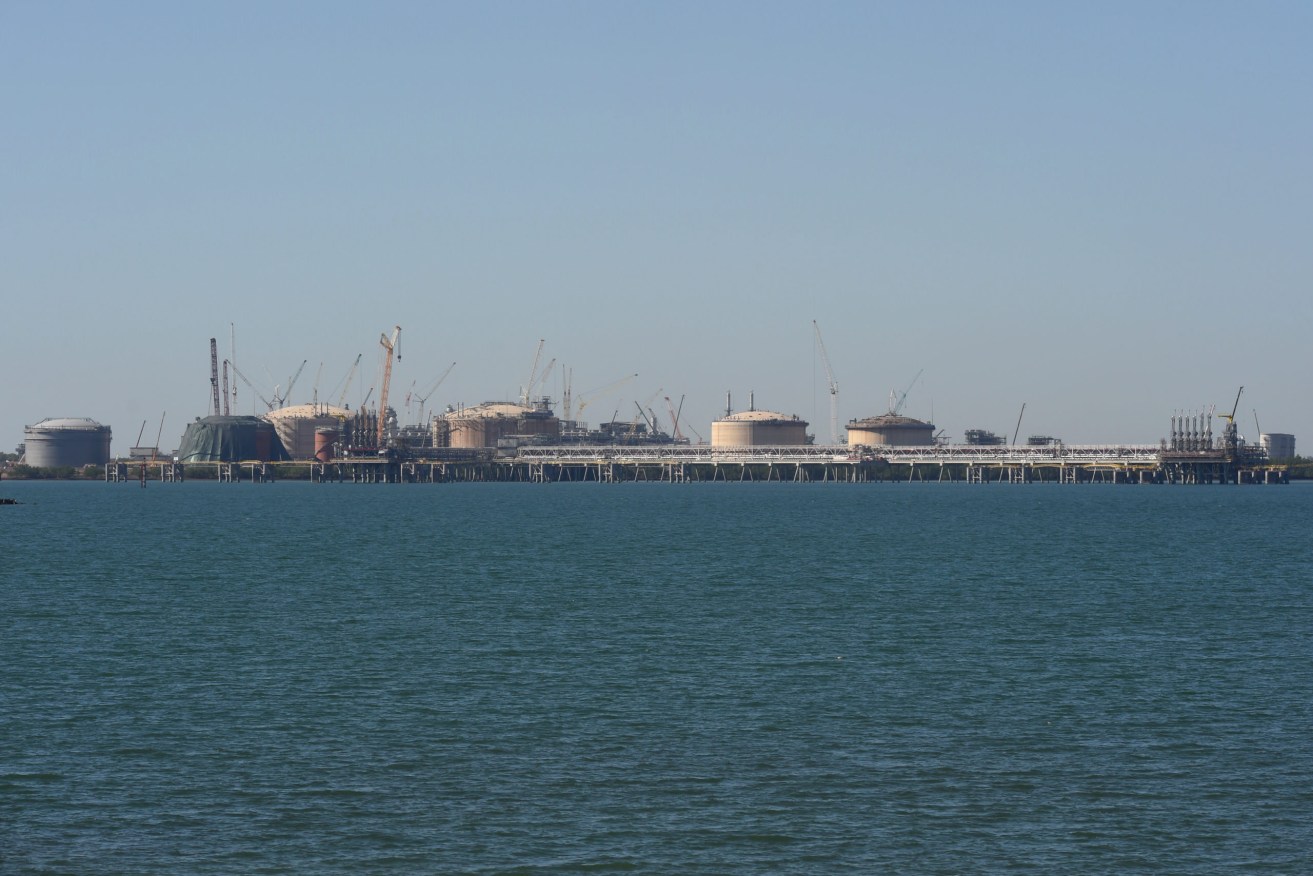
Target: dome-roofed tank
(892, 430)
(66, 441)
(297, 425)
(230, 439)
(755, 428)
(486, 424)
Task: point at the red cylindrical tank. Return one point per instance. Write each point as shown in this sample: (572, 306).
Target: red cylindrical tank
(325, 439)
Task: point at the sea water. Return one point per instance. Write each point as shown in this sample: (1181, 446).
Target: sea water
(702, 678)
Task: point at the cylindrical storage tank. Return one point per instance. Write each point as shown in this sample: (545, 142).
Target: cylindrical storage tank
(1279, 445)
(890, 430)
(298, 425)
(758, 429)
(66, 441)
(325, 440)
(230, 439)
(484, 425)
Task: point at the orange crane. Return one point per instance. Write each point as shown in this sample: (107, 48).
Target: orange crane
(389, 347)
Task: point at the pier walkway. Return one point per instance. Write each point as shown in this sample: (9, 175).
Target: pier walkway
(1059, 463)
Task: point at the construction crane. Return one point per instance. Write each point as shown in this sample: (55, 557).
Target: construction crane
(225, 388)
(268, 404)
(350, 374)
(282, 400)
(642, 412)
(424, 397)
(533, 373)
(214, 373)
(593, 394)
(542, 378)
(896, 407)
(1230, 437)
(567, 375)
(314, 396)
(389, 347)
(158, 434)
(832, 384)
(674, 418)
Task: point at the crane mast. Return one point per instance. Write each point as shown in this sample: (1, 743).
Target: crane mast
(225, 388)
(389, 346)
(214, 373)
(832, 384)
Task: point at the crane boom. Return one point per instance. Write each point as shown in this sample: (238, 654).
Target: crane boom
(423, 399)
(390, 347)
(350, 374)
(533, 372)
(246, 380)
(288, 395)
(832, 383)
(674, 417)
(593, 394)
(902, 399)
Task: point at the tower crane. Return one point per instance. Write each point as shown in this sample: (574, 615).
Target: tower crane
(389, 347)
(832, 384)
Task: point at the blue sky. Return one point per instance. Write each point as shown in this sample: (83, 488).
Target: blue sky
(1102, 211)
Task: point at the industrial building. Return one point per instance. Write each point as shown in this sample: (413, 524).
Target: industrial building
(230, 439)
(890, 430)
(305, 430)
(754, 428)
(66, 441)
(493, 424)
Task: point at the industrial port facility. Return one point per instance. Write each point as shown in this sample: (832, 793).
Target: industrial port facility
(528, 440)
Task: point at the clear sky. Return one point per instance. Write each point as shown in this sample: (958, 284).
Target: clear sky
(1102, 211)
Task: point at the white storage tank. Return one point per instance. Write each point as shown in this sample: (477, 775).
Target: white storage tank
(66, 441)
(486, 424)
(1279, 445)
(890, 430)
(758, 429)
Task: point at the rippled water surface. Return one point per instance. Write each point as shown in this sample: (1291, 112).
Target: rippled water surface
(727, 678)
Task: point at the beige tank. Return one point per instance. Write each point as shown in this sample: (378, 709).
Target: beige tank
(297, 426)
(758, 429)
(890, 430)
(486, 424)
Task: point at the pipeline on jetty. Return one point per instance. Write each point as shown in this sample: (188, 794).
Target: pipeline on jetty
(1068, 464)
